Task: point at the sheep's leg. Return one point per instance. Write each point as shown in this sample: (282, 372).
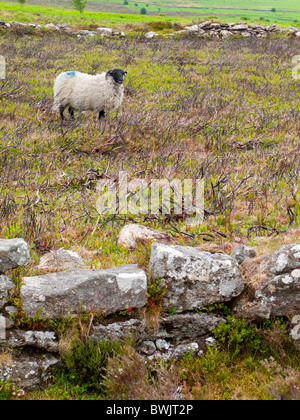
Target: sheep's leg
(61, 111)
(101, 117)
(71, 112)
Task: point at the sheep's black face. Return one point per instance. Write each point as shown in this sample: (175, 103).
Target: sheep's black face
(117, 75)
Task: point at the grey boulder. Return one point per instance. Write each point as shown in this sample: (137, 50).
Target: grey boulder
(241, 252)
(5, 286)
(28, 371)
(13, 253)
(193, 278)
(132, 234)
(273, 285)
(60, 260)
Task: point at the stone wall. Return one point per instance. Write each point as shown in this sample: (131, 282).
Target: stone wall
(254, 288)
(205, 29)
(224, 30)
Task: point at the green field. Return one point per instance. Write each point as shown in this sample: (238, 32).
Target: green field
(45, 14)
(288, 11)
(284, 12)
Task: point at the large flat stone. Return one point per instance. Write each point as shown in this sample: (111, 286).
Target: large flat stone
(175, 328)
(104, 291)
(45, 340)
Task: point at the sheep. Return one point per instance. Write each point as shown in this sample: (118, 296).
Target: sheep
(80, 91)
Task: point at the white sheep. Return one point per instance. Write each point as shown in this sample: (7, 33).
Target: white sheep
(80, 91)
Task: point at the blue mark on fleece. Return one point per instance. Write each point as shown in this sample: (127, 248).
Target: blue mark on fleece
(70, 73)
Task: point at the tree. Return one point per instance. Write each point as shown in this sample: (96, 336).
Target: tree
(143, 11)
(22, 3)
(273, 10)
(126, 2)
(79, 5)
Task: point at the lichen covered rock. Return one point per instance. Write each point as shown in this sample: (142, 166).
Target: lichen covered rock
(192, 278)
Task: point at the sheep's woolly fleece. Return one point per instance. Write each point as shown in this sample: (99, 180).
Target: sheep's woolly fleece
(82, 92)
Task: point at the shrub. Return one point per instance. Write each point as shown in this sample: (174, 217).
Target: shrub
(155, 292)
(9, 391)
(286, 381)
(79, 5)
(143, 11)
(86, 361)
(212, 362)
(238, 337)
(160, 25)
(216, 376)
(22, 2)
(281, 346)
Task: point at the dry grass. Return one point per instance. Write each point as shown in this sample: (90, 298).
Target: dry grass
(5, 357)
(251, 272)
(128, 377)
(264, 246)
